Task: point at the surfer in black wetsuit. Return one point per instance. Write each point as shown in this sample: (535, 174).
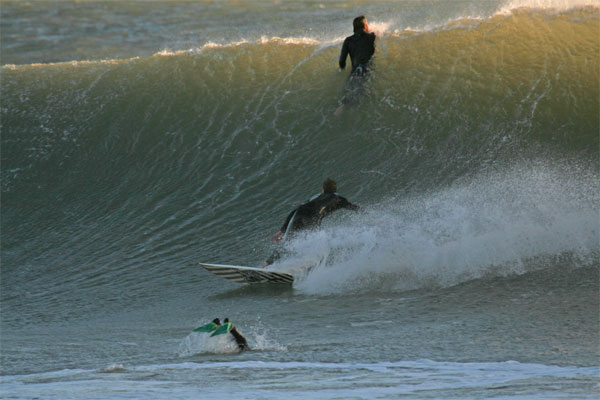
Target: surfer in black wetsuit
(310, 214)
(360, 47)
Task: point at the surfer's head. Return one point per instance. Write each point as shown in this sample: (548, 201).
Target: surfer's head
(216, 321)
(329, 186)
(360, 24)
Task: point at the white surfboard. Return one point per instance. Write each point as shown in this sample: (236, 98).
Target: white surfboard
(248, 274)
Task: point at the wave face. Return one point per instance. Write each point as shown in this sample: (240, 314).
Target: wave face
(477, 132)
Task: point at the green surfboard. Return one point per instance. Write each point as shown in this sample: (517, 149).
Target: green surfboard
(211, 326)
(226, 327)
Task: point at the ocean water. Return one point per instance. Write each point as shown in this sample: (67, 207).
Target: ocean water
(141, 138)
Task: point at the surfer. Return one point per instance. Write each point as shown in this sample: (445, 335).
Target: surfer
(361, 47)
(310, 214)
(216, 328)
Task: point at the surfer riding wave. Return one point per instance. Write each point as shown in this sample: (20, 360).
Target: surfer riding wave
(310, 214)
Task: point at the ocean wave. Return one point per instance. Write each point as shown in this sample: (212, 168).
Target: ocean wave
(554, 5)
(324, 380)
(185, 148)
(381, 27)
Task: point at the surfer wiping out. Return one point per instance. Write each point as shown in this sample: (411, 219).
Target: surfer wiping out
(310, 214)
(360, 47)
(216, 328)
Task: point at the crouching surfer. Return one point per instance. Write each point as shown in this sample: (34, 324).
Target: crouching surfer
(216, 328)
(310, 214)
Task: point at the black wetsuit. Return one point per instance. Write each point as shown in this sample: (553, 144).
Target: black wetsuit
(240, 340)
(361, 47)
(310, 214)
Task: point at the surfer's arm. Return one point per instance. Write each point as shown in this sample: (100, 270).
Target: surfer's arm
(343, 55)
(285, 224)
(352, 207)
(344, 203)
(373, 43)
(339, 203)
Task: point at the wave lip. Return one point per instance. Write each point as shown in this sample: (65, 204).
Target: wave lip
(158, 35)
(554, 5)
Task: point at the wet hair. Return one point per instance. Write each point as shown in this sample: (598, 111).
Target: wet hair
(329, 186)
(359, 24)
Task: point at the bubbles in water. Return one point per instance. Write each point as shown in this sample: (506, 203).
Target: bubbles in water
(113, 368)
(257, 336)
(202, 342)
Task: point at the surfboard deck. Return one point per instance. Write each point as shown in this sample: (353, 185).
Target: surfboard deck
(248, 275)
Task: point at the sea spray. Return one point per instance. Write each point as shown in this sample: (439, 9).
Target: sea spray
(202, 342)
(257, 334)
(500, 223)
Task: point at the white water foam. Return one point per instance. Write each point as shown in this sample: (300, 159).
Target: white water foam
(113, 368)
(202, 343)
(557, 5)
(309, 380)
(531, 217)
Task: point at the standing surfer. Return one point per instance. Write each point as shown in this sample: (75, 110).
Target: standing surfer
(361, 47)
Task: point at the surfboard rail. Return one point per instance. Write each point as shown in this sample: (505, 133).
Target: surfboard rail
(248, 275)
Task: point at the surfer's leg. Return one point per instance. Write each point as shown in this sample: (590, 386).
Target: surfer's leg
(353, 91)
(272, 258)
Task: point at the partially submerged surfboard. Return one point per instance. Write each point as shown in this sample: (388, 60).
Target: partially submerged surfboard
(210, 327)
(248, 274)
(226, 327)
(214, 328)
